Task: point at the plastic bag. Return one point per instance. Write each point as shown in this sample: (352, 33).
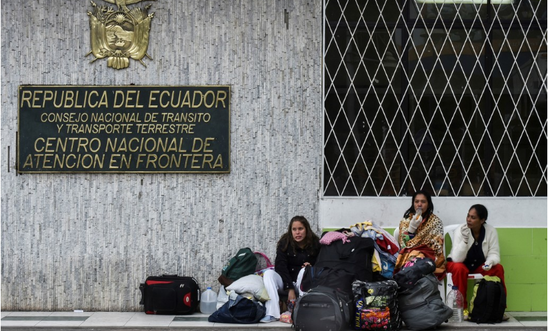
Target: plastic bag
(222, 297)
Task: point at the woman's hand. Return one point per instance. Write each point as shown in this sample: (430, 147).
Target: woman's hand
(414, 223)
(291, 295)
(305, 264)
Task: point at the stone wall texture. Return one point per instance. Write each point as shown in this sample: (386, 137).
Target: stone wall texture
(86, 241)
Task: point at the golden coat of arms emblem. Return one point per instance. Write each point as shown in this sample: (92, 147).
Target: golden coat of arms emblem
(121, 34)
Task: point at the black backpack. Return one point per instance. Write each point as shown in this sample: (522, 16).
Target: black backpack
(488, 302)
(322, 308)
(413, 271)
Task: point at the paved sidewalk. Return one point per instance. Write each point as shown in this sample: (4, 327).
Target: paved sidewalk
(140, 321)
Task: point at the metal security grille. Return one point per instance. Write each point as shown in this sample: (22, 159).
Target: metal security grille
(449, 96)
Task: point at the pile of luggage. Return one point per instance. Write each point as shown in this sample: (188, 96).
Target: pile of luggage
(345, 293)
(350, 286)
(241, 275)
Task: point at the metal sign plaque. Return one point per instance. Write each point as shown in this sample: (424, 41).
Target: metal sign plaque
(123, 129)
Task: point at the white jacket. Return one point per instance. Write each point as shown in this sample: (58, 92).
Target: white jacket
(490, 245)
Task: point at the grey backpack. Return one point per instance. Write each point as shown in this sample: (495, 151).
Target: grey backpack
(421, 306)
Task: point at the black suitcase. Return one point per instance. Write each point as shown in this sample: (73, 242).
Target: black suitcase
(322, 308)
(170, 294)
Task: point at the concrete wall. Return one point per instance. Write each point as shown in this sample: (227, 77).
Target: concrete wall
(86, 241)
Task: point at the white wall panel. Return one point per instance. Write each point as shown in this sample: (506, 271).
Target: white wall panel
(506, 212)
(86, 241)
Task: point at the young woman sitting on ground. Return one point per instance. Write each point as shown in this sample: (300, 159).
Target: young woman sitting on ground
(296, 249)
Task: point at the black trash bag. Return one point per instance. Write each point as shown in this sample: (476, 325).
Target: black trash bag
(421, 306)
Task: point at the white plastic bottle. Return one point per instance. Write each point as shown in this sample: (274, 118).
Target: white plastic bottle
(208, 301)
(455, 301)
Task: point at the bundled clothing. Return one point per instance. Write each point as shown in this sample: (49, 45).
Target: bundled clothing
(427, 240)
(386, 246)
(332, 236)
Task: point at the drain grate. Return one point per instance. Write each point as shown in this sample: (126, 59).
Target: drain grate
(45, 318)
(189, 319)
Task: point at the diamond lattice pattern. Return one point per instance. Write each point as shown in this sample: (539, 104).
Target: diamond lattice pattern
(449, 96)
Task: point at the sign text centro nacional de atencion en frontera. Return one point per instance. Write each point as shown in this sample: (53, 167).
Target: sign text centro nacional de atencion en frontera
(123, 129)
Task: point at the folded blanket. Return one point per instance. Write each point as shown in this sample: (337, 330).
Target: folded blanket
(332, 236)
